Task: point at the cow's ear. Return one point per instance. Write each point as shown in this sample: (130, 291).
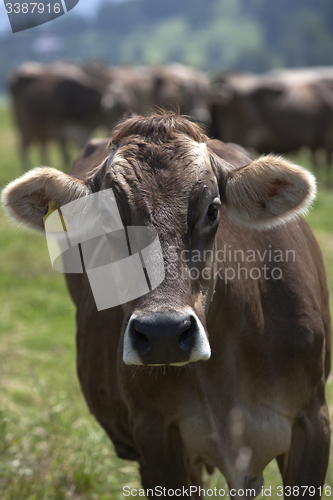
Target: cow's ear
(26, 199)
(268, 192)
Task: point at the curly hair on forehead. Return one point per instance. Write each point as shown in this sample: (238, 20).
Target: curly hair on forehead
(158, 128)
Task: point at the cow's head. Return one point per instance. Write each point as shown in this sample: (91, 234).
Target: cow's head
(177, 86)
(164, 176)
(117, 100)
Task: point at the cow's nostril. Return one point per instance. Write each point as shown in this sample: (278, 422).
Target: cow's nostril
(186, 338)
(140, 342)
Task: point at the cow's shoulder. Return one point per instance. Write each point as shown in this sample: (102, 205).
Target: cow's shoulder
(234, 154)
(93, 154)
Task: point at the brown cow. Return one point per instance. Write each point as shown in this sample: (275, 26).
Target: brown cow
(60, 102)
(185, 88)
(277, 111)
(237, 337)
(172, 86)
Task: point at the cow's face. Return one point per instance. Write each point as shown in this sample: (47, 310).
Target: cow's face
(172, 188)
(164, 177)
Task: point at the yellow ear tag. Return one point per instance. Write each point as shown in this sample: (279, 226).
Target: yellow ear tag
(53, 208)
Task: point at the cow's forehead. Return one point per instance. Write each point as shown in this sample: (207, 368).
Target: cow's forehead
(153, 182)
(166, 168)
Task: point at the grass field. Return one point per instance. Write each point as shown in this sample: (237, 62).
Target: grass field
(51, 448)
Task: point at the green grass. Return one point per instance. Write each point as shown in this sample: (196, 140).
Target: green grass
(51, 448)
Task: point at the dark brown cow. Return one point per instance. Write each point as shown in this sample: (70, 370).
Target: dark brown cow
(60, 102)
(64, 103)
(240, 324)
(185, 88)
(280, 112)
(172, 86)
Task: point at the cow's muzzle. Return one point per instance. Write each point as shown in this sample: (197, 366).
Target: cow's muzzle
(171, 338)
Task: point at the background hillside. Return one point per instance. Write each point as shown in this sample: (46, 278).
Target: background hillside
(213, 35)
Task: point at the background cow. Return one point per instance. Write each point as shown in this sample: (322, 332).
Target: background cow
(278, 111)
(251, 354)
(60, 102)
(65, 103)
(184, 88)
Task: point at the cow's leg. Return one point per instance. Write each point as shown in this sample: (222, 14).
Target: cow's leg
(168, 478)
(66, 159)
(196, 479)
(304, 468)
(163, 464)
(329, 167)
(24, 145)
(314, 158)
(44, 154)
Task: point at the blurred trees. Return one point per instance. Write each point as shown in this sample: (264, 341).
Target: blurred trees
(214, 35)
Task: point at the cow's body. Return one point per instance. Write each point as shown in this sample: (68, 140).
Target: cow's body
(261, 393)
(278, 111)
(64, 103)
(61, 103)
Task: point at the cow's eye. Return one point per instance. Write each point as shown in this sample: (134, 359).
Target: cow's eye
(213, 211)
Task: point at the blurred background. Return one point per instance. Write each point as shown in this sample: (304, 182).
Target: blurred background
(255, 72)
(212, 35)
